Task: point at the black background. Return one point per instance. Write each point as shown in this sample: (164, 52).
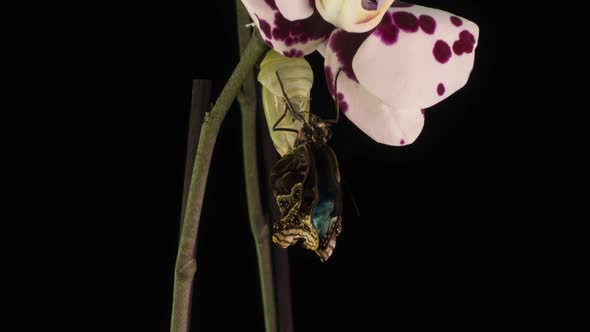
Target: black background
(436, 242)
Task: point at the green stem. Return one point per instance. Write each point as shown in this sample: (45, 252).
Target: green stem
(258, 225)
(260, 229)
(186, 265)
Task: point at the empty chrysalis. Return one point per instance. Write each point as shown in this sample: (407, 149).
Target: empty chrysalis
(297, 78)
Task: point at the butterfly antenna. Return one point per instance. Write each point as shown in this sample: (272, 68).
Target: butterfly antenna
(352, 199)
(295, 114)
(336, 97)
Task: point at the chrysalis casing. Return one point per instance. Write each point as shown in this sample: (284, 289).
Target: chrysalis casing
(297, 78)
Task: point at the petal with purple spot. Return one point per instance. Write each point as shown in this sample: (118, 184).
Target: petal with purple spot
(381, 122)
(293, 38)
(419, 69)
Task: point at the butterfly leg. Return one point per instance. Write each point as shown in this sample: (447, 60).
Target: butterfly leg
(281, 119)
(295, 114)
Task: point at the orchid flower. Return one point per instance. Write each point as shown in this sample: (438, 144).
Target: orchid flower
(396, 58)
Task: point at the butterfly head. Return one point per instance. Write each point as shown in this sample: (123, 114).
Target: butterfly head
(316, 132)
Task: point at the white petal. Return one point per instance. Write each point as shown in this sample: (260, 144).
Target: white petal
(383, 123)
(290, 38)
(350, 15)
(409, 63)
(321, 48)
(295, 9)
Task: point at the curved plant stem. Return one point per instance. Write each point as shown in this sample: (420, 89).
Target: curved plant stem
(186, 265)
(200, 104)
(258, 224)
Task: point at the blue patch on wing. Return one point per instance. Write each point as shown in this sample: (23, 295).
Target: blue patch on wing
(322, 214)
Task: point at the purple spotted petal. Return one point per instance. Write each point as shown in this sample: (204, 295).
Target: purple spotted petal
(292, 38)
(413, 59)
(381, 122)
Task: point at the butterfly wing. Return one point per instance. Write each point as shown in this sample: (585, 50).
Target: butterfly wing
(327, 213)
(306, 185)
(294, 182)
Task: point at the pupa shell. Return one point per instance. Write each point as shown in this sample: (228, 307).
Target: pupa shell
(297, 78)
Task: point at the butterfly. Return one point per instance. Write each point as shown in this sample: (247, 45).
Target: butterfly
(306, 183)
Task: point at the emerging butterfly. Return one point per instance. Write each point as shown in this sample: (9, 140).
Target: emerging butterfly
(306, 181)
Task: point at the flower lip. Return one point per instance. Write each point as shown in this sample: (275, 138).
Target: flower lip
(369, 4)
